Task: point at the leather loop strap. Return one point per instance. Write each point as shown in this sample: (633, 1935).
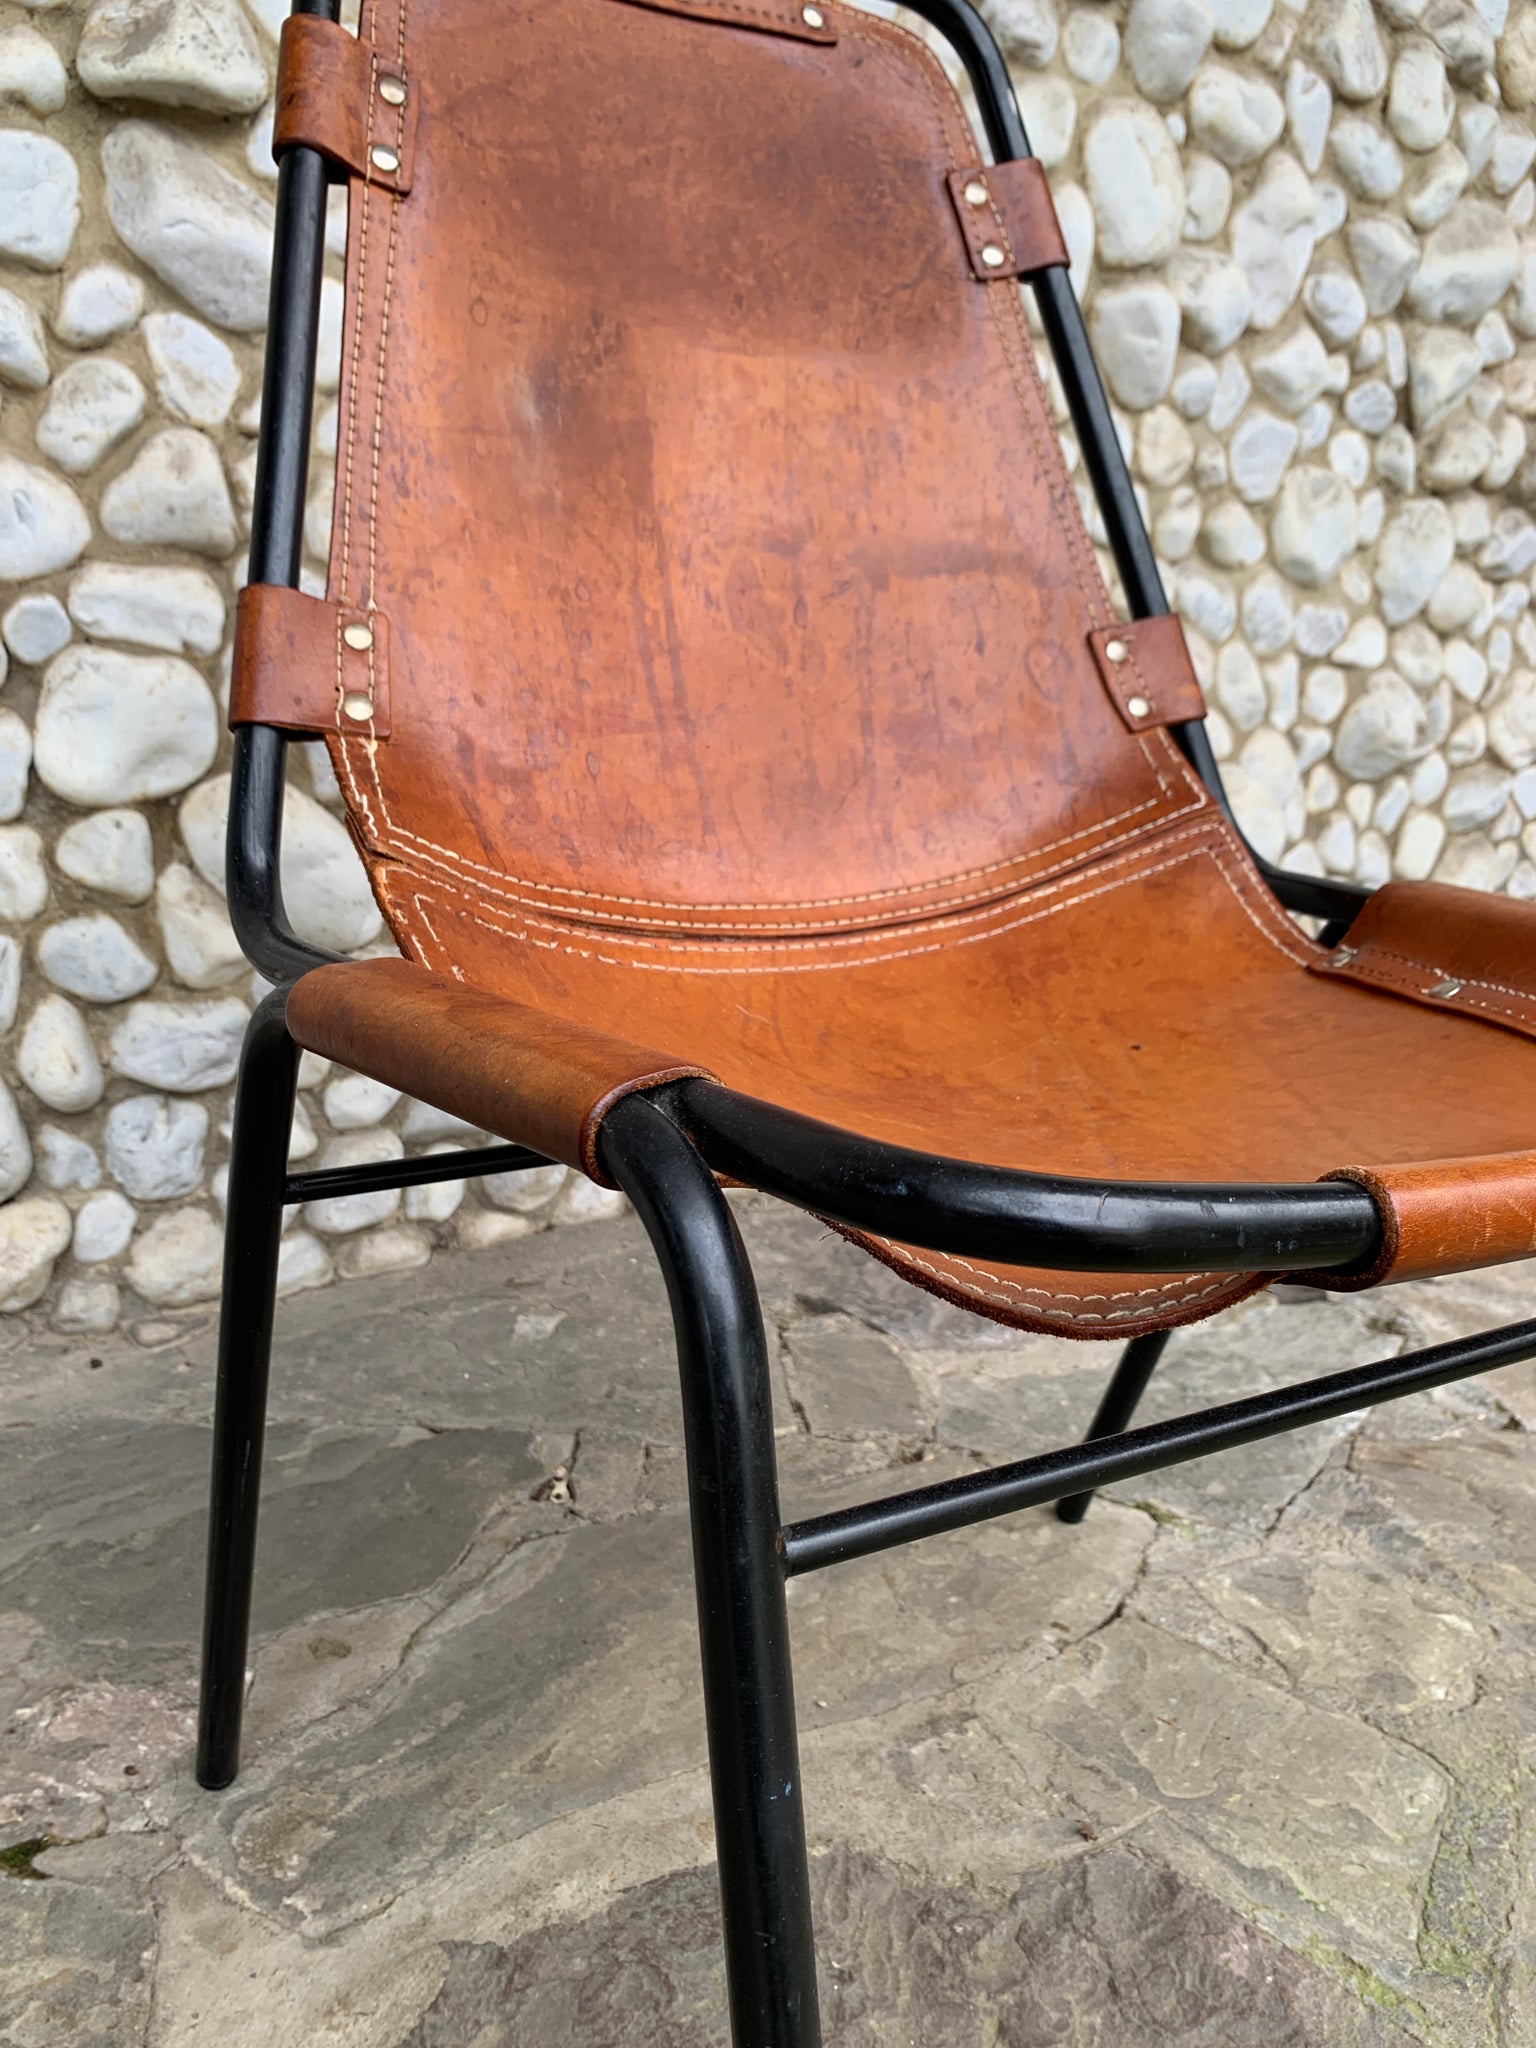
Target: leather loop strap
(337, 94)
(1008, 219)
(809, 21)
(1146, 669)
(1446, 1216)
(307, 665)
(1448, 948)
(501, 1065)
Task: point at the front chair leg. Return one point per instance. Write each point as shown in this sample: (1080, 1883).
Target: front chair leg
(258, 1167)
(1128, 1383)
(738, 1574)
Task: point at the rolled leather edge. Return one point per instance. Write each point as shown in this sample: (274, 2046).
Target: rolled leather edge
(1441, 1216)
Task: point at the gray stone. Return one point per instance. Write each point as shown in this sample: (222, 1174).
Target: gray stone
(66, 1161)
(1386, 726)
(43, 525)
(35, 627)
(92, 407)
(154, 1146)
(1262, 448)
(179, 53)
(181, 1046)
(39, 199)
(198, 228)
(1135, 329)
(1214, 298)
(94, 958)
(103, 1226)
(1336, 305)
(1386, 254)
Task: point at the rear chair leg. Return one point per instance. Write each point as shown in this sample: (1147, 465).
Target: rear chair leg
(258, 1166)
(1128, 1383)
(738, 1574)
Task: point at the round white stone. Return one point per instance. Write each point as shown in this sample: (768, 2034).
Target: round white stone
(1420, 103)
(1416, 548)
(23, 351)
(583, 1201)
(15, 1147)
(522, 1193)
(1232, 537)
(1207, 197)
(198, 227)
(1385, 727)
(121, 728)
(339, 1215)
(43, 526)
(1090, 43)
(179, 53)
(1469, 262)
(1214, 298)
(30, 70)
(393, 1250)
(1165, 448)
(201, 949)
(1235, 116)
(56, 1058)
(94, 958)
(1273, 235)
(10, 980)
(39, 198)
(1512, 723)
(302, 1262)
(23, 878)
(1049, 108)
(1296, 371)
(1336, 305)
(1343, 37)
(33, 1232)
(65, 1161)
(324, 884)
(112, 852)
(103, 1226)
(1385, 254)
(178, 1260)
(1135, 329)
(1308, 111)
(438, 1200)
(1517, 60)
(195, 372)
(1267, 614)
(93, 405)
(1239, 688)
(172, 494)
(1368, 159)
(1135, 184)
(1371, 406)
(36, 627)
(176, 610)
(1261, 451)
(154, 1146)
(1027, 29)
(1443, 181)
(1164, 43)
(1240, 23)
(1443, 365)
(182, 1047)
(355, 1102)
(96, 303)
(1314, 527)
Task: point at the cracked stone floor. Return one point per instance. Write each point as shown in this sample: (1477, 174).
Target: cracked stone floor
(1246, 1759)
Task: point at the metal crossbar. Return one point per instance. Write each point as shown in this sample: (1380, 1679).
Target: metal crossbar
(410, 1173)
(1081, 1468)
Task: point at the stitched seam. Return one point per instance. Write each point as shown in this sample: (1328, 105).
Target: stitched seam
(708, 10)
(1016, 1290)
(1373, 950)
(1521, 1011)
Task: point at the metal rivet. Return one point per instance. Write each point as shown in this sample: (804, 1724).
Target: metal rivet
(976, 193)
(1344, 954)
(1138, 707)
(358, 636)
(383, 159)
(993, 256)
(392, 91)
(1449, 987)
(1116, 651)
(358, 704)
(813, 17)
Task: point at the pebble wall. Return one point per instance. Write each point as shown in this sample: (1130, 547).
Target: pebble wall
(1304, 237)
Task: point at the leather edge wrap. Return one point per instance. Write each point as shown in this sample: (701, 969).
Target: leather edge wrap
(1146, 668)
(500, 1064)
(1008, 219)
(1445, 1216)
(296, 668)
(1445, 948)
(335, 95)
(769, 17)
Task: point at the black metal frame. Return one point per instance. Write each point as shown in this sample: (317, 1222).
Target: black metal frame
(666, 1149)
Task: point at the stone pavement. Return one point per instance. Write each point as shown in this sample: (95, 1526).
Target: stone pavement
(1245, 1759)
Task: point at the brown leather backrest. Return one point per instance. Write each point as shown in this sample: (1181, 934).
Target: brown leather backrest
(731, 571)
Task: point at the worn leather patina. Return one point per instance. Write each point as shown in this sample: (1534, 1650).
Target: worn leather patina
(749, 688)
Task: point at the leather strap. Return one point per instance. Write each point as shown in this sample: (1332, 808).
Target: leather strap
(336, 93)
(1448, 1216)
(499, 1064)
(809, 21)
(1008, 219)
(307, 665)
(1146, 669)
(1449, 948)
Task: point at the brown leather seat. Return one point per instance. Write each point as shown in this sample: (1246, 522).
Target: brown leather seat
(715, 663)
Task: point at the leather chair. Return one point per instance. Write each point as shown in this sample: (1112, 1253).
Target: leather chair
(762, 785)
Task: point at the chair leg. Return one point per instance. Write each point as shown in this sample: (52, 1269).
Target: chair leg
(738, 1574)
(269, 1066)
(1128, 1383)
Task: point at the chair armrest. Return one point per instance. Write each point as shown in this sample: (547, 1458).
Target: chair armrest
(1453, 949)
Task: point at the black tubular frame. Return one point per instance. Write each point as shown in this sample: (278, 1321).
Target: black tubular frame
(669, 1148)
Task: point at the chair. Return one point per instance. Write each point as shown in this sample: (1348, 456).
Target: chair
(763, 788)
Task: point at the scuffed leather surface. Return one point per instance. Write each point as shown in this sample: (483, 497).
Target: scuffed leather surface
(1018, 215)
(1446, 1216)
(745, 703)
(1446, 947)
